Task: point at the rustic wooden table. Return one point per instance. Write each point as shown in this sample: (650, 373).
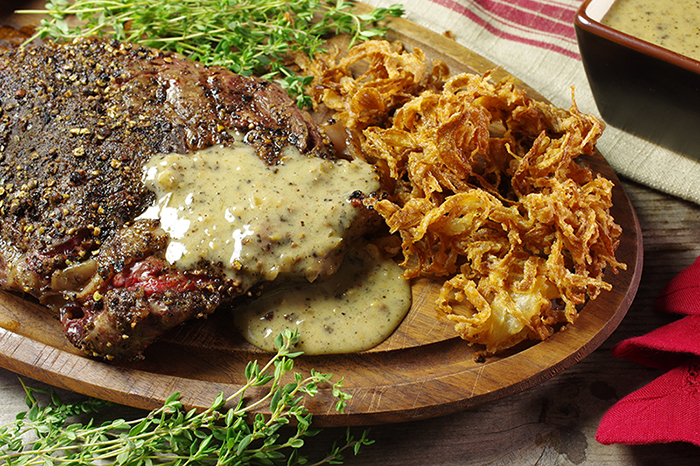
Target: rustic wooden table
(553, 423)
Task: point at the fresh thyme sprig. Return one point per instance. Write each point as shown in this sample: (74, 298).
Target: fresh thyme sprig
(172, 436)
(246, 36)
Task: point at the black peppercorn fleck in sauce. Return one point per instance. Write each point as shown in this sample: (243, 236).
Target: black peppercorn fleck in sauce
(226, 206)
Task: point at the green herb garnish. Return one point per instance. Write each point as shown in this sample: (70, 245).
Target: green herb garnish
(172, 436)
(245, 36)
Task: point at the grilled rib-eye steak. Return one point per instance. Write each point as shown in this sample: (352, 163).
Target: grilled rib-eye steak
(78, 123)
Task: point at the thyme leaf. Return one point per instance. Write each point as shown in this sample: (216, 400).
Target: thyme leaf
(170, 435)
(249, 37)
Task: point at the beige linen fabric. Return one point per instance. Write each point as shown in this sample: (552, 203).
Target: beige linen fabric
(553, 73)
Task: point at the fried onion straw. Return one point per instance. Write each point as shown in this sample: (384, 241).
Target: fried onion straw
(482, 186)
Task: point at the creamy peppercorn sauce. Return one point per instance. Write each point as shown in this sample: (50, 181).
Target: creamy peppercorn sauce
(669, 24)
(226, 206)
(355, 310)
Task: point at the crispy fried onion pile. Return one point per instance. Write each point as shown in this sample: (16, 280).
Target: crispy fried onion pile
(483, 189)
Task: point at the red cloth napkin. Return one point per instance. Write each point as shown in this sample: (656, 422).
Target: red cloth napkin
(667, 409)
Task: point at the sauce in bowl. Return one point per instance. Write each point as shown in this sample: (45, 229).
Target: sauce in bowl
(669, 24)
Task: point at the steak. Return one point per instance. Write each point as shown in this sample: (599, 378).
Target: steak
(78, 122)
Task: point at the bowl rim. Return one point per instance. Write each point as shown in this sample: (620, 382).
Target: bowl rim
(584, 21)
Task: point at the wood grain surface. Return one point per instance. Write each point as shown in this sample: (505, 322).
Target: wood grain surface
(550, 424)
(423, 370)
(554, 424)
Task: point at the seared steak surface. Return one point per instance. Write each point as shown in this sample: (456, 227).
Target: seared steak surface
(78, 123)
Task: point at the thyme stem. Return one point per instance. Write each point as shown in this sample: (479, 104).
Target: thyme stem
(170, 436)
(246, 36)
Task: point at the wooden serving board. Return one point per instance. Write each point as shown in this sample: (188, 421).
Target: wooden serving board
(422, 370)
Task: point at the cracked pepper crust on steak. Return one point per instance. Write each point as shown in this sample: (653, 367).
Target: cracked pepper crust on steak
(78, 123)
